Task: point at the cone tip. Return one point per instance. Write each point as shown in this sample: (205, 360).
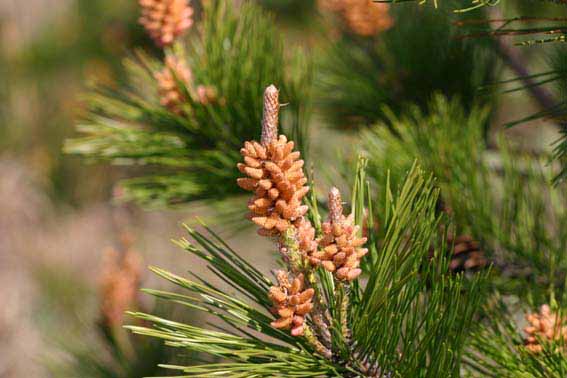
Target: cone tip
(271, 89)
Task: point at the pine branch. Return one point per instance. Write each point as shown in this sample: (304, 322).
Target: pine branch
(318, 317)
(189, 113)
(510, 208)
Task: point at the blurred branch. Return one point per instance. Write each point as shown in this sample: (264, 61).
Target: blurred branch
(514, 59)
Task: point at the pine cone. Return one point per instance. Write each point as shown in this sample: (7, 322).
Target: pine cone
(165, 20)
(119, 285)
(544, 325)
(363, 17)
(341, 246)
(467, 254)
(306, 237)
(207, 94)
(275, 175)
(291, 302)
(171, 95)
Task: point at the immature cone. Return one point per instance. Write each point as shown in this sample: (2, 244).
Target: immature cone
(119, 285)
(207, 94)
(291, 302)
(362, 17)
(275, 174)
(171, 94)
(467, 254)
(544, 325)
(340, 246)
(165, 20)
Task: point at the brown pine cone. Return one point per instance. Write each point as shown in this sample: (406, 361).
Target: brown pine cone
(340, 244)
(171, 95)
(275, 175)
(165, 20)
(544, 325)
(467, 254)
(291, 302)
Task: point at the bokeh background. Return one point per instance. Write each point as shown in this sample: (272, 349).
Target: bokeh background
(57, 214)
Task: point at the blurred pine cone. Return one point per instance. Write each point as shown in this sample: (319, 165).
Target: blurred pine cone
(119, 284)
(544, 325)
(175, 72)
(165, 20)
(467, 254)
(362, 17)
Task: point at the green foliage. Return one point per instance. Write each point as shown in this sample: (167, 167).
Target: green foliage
(418, 56)
(504, 199)
(497, 348)
(238, 52)
(409, 318)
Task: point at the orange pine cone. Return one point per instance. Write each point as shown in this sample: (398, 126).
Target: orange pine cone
(340, 246)
(544, 325)
(119, 285)
(274, 173)
(165, 20)
(175, 72)
(207, 94)
(291, 302)
(362, 17)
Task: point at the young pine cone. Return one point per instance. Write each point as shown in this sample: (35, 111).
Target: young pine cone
(119, 285)
(340, 244)
(171, 95)
(274, 173)
(362, 17)
(544, 325)
(165, 20)
(291, 303)
(367, 18)
(467, 254)
(207, 94)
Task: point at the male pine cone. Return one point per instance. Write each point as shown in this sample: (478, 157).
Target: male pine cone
(340, 246)
(169, 79)
(165, 20)
(544, 325)
(291, 302)
(274, 173)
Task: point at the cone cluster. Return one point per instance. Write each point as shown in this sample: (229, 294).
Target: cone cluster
(165, 20)
(119, 285)
(292, 302)
(340, 246)
(275, 174)
(168, 81)
(544, 325)
(362, 17)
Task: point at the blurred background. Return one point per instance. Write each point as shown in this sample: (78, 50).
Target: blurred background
(57, 214)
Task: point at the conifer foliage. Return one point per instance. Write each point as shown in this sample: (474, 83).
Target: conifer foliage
(315, 317)
(188, 114)
(419, 268)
